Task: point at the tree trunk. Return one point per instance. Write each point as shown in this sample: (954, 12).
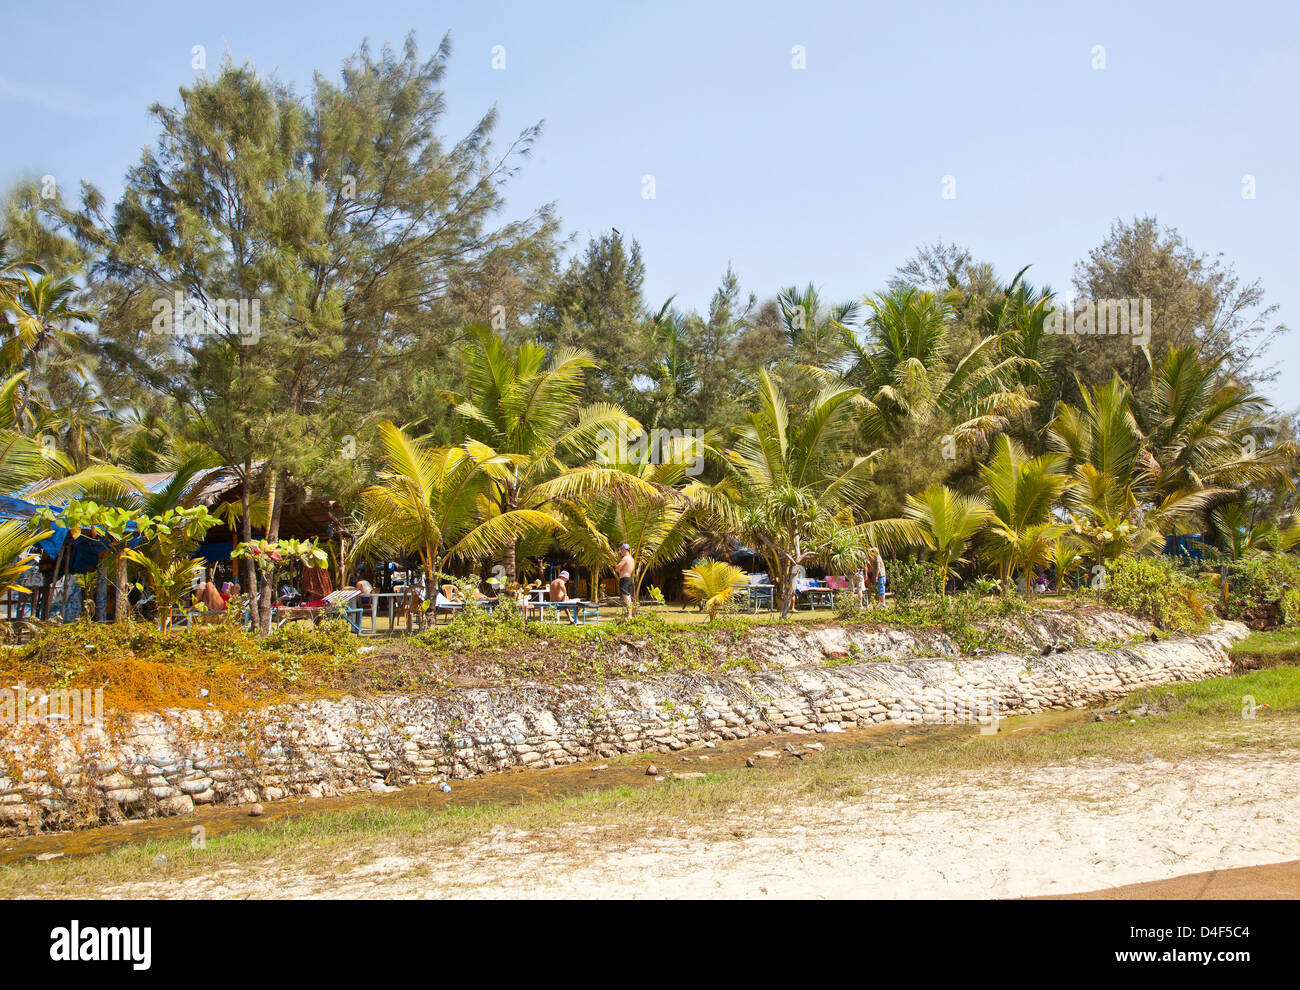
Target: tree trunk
(54, 578)
(101, 587)
(508, 561)
(272, 535)
(120, 611)
(246, 536)
(787, 589)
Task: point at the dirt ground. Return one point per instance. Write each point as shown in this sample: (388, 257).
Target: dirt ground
(1083, 826)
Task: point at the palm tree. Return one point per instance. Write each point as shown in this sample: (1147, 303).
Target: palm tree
(524, 410)
(40, 473)
(906, 369)
(40, 319)
(1017, 314)
(813, 329)
(1021, 493)
(671, 368)
(17, 540)
(1065, 557)
(1203, 430)
(437, 502)
(656, 523)
(1117, 502)
(788, 478)
(712, 583)
(947, 521)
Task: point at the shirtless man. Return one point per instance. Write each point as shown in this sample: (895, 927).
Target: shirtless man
(625, 569)
(560, 593)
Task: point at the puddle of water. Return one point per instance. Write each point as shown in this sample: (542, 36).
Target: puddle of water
(521, 785)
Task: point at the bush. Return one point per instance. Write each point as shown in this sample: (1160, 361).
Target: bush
(912, 579)
(331, 636)
(212, 666)
(968, 617)
(1263, 591)
(1156, 590)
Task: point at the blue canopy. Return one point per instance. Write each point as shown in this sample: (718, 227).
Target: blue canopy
(84, 555)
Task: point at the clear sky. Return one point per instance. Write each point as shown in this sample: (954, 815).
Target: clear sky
(831, 173)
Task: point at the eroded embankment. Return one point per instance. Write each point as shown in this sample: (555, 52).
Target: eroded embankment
(53, 775)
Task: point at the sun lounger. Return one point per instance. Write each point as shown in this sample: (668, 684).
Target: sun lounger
(444, 604)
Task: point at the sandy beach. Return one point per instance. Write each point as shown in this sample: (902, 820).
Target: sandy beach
(1069, 828)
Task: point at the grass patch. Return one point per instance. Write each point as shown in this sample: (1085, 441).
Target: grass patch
(1267, 649)
(1275, 688)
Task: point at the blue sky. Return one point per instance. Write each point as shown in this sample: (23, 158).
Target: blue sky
(831, 173)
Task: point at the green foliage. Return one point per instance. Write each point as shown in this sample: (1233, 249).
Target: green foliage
(968, 617)
(1263, 591)
(712, 583)
(1156, 590)
(329, 637)
(913, 579)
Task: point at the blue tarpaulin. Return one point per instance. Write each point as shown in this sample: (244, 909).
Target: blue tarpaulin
(86, 549)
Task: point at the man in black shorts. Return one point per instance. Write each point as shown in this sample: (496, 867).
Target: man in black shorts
(625, 569)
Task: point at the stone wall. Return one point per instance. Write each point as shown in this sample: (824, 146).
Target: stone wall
(816, 678)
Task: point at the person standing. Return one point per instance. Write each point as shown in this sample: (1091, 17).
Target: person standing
(860, 583)
(625, 569)
(875, 576)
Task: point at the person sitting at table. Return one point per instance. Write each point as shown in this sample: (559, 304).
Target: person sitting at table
(367, 589)
(207, 595)
(560, 593)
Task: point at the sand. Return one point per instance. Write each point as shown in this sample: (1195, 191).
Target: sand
(1055, 829)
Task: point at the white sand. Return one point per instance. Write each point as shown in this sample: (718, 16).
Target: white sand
(1082, 826)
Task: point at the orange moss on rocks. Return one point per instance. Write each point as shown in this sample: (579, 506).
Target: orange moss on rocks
(212, 667)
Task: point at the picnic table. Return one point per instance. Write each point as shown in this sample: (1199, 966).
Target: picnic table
(823, 592)
(760, 593)
(583, 611)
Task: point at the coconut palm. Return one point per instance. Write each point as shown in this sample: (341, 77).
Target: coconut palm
(523, 411)
(1017, 314)
(17, 553)
(1021, 493)
(789, 477)
(1204, 431)
(712, 583)
(436, 502)
(40, 320)
(1065, 557)
(1117, 503)
(656, 524)
(670, 368)
(814, 328)
(947, 522)
(905, 366)
(41, 473)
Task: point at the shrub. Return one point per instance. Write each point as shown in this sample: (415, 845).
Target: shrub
(712, 583)
(1156, 590)
(911, 579)
(964, 615)
(331, 636)
(1263, 591)
(848, 609)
